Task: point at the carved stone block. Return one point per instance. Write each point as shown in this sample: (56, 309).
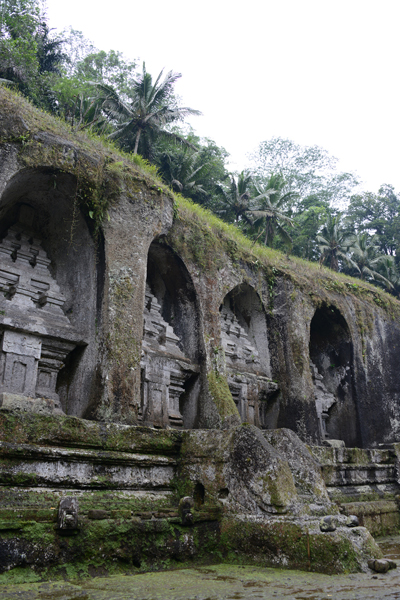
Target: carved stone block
(68, 513)
(36, 335)
(165, 368)
(247, 381)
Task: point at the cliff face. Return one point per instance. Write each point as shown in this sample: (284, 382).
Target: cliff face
(231, 333)
(154, 367)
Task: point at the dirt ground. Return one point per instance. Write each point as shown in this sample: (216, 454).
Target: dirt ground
(223, 582)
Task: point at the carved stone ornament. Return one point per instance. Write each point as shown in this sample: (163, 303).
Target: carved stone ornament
(247, 380)
(67, 518)
(165, 369)
(324, 400)
(35, 334)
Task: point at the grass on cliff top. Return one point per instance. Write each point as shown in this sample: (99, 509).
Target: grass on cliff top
(28, 121)
(300, 271)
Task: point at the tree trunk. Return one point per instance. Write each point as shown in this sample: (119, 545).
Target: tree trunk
(137, 141)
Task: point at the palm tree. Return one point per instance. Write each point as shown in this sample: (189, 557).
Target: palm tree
(146, 115)
(182, 170)
(366, 255)
(334, 243)
(388, 268)
(235, 201)
(49, 50)
(268, 214)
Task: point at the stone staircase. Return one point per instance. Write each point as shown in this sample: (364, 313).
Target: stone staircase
(364, 482)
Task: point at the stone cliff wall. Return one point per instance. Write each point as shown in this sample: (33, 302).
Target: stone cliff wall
(154, 367)
(239, 333)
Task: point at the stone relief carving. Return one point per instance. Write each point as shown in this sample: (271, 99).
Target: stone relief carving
(324, 400)
(35, 335)
(250, 387)
(165, 369)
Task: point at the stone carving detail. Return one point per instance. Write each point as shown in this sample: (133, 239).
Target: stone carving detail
(324, 400)
(165, 369)
(235, 341)
(67, 518)
(249, 386)
(35, 335)
(24, 274)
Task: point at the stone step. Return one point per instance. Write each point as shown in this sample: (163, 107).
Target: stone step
(381, 517)
(355, 473)
(365, 493)
(26, 465)
(344, 474)
(356, 456)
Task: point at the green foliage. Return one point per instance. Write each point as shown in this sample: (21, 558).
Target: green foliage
(235, 199)
(334, 243)
(307, 170)
(309, 219)
(378, 214)
(29, 56)
(193, 170)
(18, 48)
(267, 214)
(312, 188)
(181, 170)
(84, 68)
(365, 253)
(138, 121)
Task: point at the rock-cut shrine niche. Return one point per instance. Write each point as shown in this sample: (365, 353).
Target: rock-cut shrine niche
(36, 336)
(331, 364)
(245, 343)
(170, 357)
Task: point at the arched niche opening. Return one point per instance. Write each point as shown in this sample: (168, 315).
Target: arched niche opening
(48, 274)
(171, 356)
(331, 361)
(245, 342)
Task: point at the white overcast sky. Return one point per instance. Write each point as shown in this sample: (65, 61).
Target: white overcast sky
(322, 72)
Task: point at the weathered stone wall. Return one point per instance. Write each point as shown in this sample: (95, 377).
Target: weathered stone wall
(290, 303)
(108, 228)
(81, 498)
(101, 272)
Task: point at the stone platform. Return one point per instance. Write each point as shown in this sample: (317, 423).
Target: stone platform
(81, 497)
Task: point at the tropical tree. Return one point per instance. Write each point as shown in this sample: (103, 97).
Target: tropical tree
(234, 201)
(83, 67)
(49, 50)
(145, 117)
(182, 170)
(311, 214)
(378, 214)
(19, 20)
(266, 213)
(334, 243)
(307, 170)
(366, 254)
(388, 268)
(193, 170)
(29, 55)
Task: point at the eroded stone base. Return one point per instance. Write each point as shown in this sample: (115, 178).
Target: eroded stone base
(24, 404)
(85, 498)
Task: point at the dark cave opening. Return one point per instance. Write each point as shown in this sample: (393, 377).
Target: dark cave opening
(331, 361)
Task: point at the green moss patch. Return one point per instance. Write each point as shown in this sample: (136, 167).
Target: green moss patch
(221, 394)
(73, 432)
